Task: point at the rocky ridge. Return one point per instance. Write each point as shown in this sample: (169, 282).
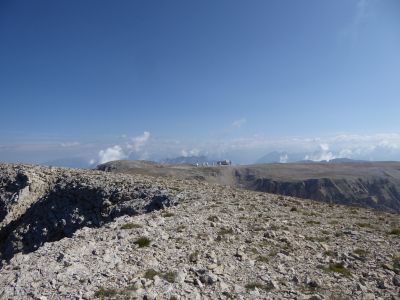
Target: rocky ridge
(139, 237)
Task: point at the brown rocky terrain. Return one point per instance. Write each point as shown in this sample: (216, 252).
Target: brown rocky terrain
(82, 234)
(366, 184)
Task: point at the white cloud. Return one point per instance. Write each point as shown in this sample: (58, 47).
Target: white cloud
(322, 154)
(117, 152)
(363, 13)
(70, 144)
(111, 153)
(192, 152)
(239, 123)
(139, 141)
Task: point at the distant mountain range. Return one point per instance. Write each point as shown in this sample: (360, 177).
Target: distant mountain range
(69, 162)
(285, 157)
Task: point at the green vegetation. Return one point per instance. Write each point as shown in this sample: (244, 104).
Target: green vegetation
(225, 231)
(130, 226)
(168, 215)
(360, 252)
(150, 274)
(364, 225)
(262, 258)
(395, 231)
(317, 239)
(106, 293)
(312, 222)
(170, 277)
(338, 268)
(260, 286)
(228, 295)
(329, 253)
(273, 253)
(143, 242)
(194, 256)
(396, 262)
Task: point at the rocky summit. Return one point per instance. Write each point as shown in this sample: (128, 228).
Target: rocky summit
(89, 234)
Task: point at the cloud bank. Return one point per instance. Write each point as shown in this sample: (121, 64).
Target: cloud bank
(118, 152)
(241, 150)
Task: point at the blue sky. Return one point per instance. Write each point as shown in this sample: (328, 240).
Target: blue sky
(154, 79)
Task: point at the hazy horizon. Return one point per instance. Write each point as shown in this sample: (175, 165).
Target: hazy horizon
(83, 83)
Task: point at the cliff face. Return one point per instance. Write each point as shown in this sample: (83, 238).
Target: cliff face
(377, 193)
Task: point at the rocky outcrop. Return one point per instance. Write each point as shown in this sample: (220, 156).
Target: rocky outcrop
(40, 205)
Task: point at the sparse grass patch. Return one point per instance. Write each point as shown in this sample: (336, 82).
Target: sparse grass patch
(225, 231)
(212, 218)
(255, 227)
(262, 258)
(228, 295)
(254, 251)
(202, 236)
(130, 226)
(338, 268)
(310, 214)
(170, 277)
(317, 238)
(395, 231)
(396, 262)
(260, 286)
(364, 225)
(150, 274)
(338, 233)
(143, 242)
(105, 293)
(312, 222)
(194, 256)
(287, 247)
(168, 214)
(273, 253)
(360, 252)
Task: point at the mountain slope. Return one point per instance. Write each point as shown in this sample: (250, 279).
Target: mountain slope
(215, 242)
